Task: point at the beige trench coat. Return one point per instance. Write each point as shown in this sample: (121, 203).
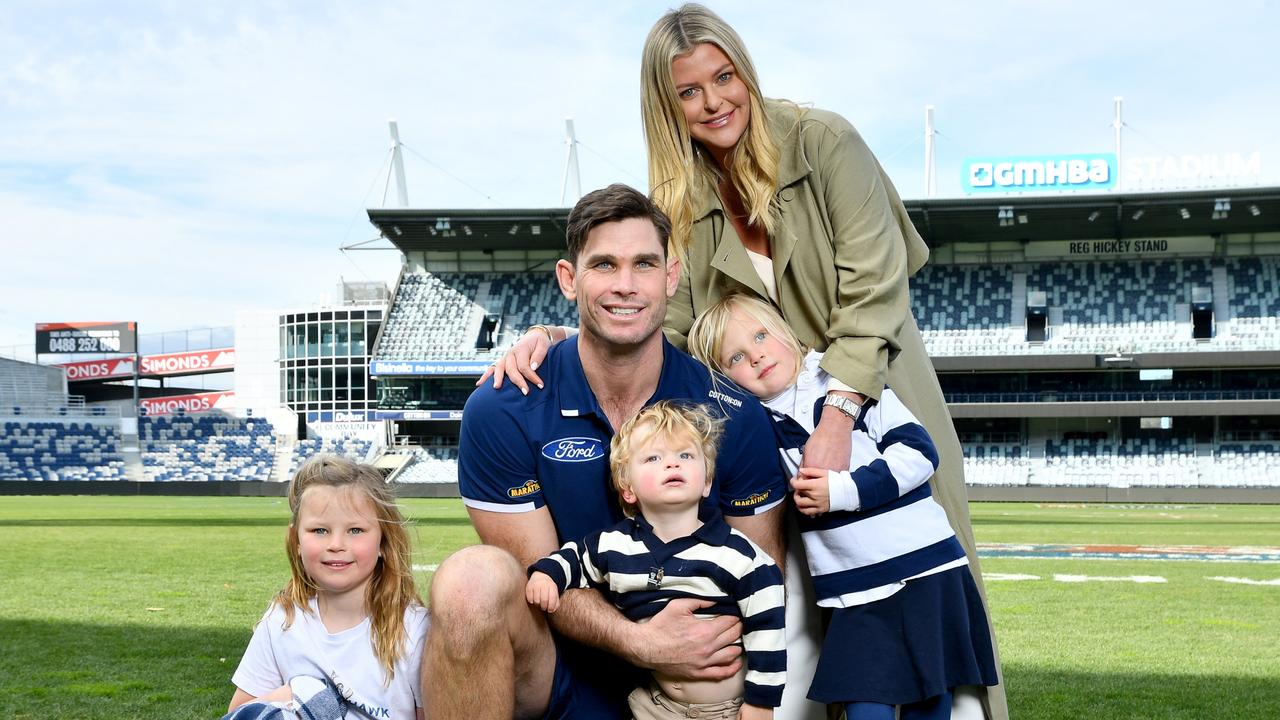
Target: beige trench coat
(841, 260)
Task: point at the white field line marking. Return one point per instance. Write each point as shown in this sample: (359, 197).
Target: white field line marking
(1246, 581)
(426, 568)
(1008, 576)
(1068, 551)
(1130, 578)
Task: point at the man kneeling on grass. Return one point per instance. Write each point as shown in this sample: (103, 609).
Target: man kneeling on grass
(533, 471)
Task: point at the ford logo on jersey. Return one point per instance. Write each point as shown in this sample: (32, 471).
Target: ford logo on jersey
(574, 449)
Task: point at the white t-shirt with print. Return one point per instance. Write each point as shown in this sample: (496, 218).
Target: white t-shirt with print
(275, 655)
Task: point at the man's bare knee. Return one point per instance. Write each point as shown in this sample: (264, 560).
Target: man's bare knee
(472, 595)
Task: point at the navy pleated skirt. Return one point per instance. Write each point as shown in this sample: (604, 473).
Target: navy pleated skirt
(930, 636)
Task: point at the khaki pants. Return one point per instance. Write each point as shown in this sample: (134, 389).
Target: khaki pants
(650, 704)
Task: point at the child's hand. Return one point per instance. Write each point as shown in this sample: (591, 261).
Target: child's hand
(813, 493)
(754, 712)
(542, 591)
(284, 693)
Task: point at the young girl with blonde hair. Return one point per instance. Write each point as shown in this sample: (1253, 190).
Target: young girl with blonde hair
(908, 634)
(350, 611)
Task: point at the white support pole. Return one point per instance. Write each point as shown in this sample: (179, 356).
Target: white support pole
(930, 182)
(1118, 124)
(570, 163)
(397, 161)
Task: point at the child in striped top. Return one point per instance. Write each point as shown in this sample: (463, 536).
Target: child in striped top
(908, 627)
(662, 461)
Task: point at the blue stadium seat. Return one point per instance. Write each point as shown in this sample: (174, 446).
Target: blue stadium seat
(206, 448)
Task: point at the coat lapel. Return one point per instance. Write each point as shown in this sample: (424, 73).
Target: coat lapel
(731, 257)
(793, 167)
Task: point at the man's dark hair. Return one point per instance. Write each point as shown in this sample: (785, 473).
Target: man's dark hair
(612, 204)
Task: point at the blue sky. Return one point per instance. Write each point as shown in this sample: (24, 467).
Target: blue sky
(173, 162)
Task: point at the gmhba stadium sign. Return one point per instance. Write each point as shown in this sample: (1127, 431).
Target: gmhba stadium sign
(1040, 173)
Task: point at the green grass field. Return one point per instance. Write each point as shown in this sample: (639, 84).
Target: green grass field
(140, 607)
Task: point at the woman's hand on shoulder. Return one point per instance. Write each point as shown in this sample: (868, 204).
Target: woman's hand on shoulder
(520, 363)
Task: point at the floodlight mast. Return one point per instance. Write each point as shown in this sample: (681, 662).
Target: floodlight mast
(397, 161)
(570, 163)
(930, 182)
(1118, 124)
(137, 374)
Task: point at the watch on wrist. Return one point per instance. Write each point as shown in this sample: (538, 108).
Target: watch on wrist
(844, 405)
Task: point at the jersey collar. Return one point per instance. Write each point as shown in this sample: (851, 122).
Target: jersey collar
(574, 392)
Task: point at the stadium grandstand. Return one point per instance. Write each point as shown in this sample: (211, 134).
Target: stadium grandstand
(182, 435)
(50, 434)
(1109, 346)
(1092, 347)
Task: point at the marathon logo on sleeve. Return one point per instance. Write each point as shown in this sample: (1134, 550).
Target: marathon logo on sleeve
(525, 490)
(752, 500)
(573, 449)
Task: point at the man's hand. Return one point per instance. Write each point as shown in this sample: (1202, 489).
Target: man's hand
(543, 592)
(676, 644)
(754, 712)
(520, 362)
(813, 491)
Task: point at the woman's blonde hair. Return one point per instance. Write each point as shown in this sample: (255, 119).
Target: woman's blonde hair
(672, 421)
(678, 165)
(391, 589)
(706, 337)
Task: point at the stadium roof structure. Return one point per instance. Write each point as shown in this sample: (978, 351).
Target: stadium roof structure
(1095, 216)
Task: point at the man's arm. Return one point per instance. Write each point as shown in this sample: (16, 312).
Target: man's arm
(528, 536)
(673, 641)
(764, 530)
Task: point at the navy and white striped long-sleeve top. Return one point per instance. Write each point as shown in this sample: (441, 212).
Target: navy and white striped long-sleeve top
(893, 531)
(639, 574)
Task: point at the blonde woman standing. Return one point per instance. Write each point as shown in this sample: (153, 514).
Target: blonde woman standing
(788, 204)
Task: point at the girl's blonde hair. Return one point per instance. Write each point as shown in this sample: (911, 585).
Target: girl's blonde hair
(678, 165)
(391, 589)
(672, 421)
(706, 337)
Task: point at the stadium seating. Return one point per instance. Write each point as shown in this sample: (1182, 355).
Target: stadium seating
(206, 447)
(47, 450)
(19, 385)
(438, 315)
(1253, 285)
(352, 448)
(1123, 293)
(1105, 307)
(1145, 462)
(962, 297)
(996, 464)
(1142, 462)
(430, 464)
(1245, 464)
(429, 317)
(1099, 307)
